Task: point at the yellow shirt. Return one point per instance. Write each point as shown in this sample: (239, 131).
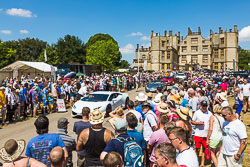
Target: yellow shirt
(2, 99)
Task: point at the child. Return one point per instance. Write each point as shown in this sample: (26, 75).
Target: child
(50, 99)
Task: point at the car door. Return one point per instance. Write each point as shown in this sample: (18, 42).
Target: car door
(113, 100)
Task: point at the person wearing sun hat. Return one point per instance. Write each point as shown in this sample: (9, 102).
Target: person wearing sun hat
(11, 154)
(3, 104)
(162, 108)
(116, 114)
(140, 98)
(94, 139)
(185, 115)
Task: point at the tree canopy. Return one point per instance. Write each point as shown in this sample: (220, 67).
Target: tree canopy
(244, 59)
(124, 64)
(6, 54)
(99, 37)
(104, 53)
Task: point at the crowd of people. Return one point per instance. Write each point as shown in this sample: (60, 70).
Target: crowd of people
(170, 128)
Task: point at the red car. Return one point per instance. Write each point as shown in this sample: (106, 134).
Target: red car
(169, 80)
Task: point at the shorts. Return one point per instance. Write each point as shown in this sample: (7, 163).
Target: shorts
(35, 106)
(45, 104)
(246, 99)
(229, 161)
(72, 97)
(200, 141)
(51, 106)
(215, 143)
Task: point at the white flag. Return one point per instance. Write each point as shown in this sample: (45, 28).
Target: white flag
(45, 56)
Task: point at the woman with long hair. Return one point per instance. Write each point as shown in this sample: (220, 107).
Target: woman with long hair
(214, 136)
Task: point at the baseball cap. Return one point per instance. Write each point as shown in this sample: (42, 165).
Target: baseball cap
(120, 124)
(62, 123)
(204, 103)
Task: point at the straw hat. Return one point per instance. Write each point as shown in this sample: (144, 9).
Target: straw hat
(176, 98)
(150, 94)
(1, 88)
(119, 111)
(96, 117)
(173, 91)
(156, 101)
(223, 96)
(184, 113)
(182, 93)
(12, 150)
(141, 97)
(162, 108)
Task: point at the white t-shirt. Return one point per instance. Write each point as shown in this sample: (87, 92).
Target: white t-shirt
(246, 89)
(201, 130)
(233, 132)
(224, 103)
(83, 90)
(149, 122)
(188, 158)
(137, 114)
(158, 96)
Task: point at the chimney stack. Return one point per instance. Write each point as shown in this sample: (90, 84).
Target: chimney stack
(235, 28)
(182, 38)
(165, 33)
(199, 30)
(152, 33)
(211, 31)
(137, 46)
(179, 34)
(220, 30)
(156, 34)
(170, 33)
(189, 31)
(230, 30)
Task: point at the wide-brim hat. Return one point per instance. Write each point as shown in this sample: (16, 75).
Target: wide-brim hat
(223, 96)
(156, 101)
(173, 91)
(141, 97)
(150, 94)
(184, 113)
(176, 98)
(163, 108)
(2, 87)
(96, 117)
(15, 146)
(119, 111)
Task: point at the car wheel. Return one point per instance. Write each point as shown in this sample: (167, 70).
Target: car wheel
(108, 110)
(126, 102)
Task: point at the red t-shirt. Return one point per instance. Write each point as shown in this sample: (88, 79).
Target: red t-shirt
(223, 86)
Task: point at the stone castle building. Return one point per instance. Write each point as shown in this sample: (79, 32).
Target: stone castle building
(194, 52)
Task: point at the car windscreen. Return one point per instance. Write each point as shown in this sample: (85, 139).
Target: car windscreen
(167, 77)
(156, 83)
(95, 97)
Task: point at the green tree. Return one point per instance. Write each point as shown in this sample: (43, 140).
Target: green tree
(244, 59)
(104, 53)
(52, 56)
(99, 37)
(124, 64)
(28, 49)
(6, 55)
(70, 49)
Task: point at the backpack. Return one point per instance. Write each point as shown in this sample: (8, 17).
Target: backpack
(133, 155)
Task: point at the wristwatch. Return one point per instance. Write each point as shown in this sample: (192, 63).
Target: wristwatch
(238, 155)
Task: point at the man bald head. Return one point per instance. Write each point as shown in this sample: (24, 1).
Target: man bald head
(56, 157)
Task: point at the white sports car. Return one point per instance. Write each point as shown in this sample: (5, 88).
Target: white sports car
(102, 100)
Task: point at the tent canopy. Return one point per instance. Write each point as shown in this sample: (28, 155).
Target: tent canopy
(26, 65)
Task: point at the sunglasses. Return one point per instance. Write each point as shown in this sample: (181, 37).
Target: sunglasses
(223, 115)
(204, 105)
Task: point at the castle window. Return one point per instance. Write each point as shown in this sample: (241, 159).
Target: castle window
(205, 58)
(194, 40)
(163, 43)
(222, 41)
(205, 48)
(194, 59)
(163, 55)
(185, 42)
(222, 53)
(194, 48)
(215, 65)
(168, 54)
(216, 53)
(143, 56)
(168, 66)
(184, 48)
(184, 59)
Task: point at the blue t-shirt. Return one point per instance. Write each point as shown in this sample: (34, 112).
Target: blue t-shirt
(138, 108)
(40, 146)
(22, 93)
(116, 146)
(58, 90)
(45, 92)
(184, 103)
(138, 137)
(80, 126)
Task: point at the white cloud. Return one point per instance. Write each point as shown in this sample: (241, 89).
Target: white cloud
(20, 12)
(8, 32)
(133, 34)
(24, 31)
(128, 49)
(1, 9)
(244, 34)
(145, 38)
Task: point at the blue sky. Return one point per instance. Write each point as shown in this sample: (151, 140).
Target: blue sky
(127, 21)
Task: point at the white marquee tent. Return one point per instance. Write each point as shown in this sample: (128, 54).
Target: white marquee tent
(20, 68)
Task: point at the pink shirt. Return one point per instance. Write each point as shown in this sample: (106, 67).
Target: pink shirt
(157, 138)
(223, 86)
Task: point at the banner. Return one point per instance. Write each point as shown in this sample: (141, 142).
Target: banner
(145, 65)
(15, 72)
(61, 105)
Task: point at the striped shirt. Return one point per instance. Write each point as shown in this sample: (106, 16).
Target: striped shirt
(70, 144)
